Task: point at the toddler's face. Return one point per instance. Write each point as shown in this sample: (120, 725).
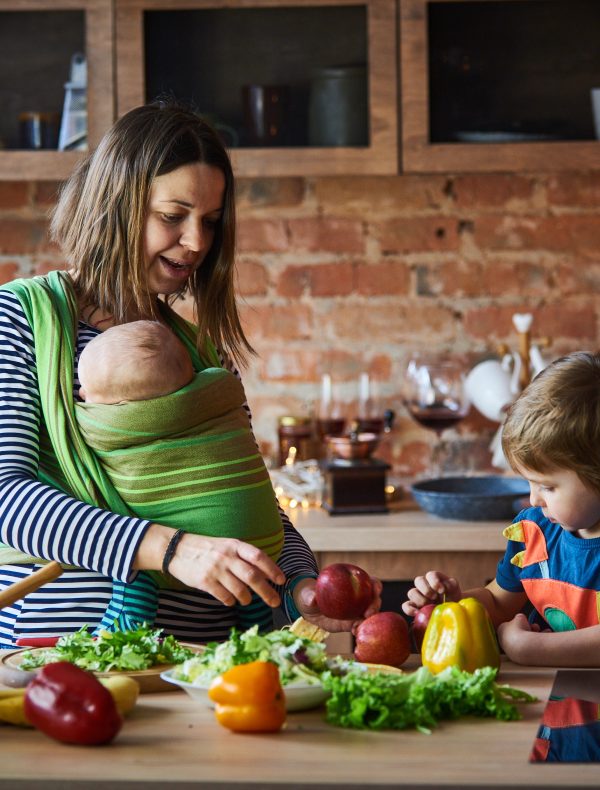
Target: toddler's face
(565, 500)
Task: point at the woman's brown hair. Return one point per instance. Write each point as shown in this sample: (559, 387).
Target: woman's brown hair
(555, 422)
(99, 220)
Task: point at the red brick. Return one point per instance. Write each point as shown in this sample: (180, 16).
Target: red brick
(293, 281)
(574, 320)
(291, 365)
(516, 278)
(386, 277)
(565, 233)
(371, 196)
(331, 279)
(252, 278)
(318, 234)
(21, 236)
(269, 192)
(320, 280)
(577, 276)
(45, 193)
(14, 195)
(377, 323)
(449, 278)
(575, 189)
(9, 270)
(277, 321)
(256, 235)
(417, 234)
(492, 190)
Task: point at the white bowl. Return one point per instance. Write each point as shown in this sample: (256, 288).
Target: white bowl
(298, 696)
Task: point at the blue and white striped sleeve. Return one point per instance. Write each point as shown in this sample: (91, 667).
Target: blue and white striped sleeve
(35, 518)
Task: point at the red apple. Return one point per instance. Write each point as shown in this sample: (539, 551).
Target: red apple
(419, 624)
(343, 591)
(383, 638)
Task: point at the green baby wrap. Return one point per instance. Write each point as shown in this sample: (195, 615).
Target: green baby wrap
(218, 481)
(188, 460)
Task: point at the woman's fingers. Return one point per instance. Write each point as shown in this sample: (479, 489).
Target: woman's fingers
(258, 559)
(226, 568)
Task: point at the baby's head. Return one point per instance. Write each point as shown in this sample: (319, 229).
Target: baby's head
(135, 361)
(555, 422)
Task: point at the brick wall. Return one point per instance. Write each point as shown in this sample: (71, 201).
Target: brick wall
(344, 275)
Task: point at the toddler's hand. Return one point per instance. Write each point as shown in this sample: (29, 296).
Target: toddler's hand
(434, 587)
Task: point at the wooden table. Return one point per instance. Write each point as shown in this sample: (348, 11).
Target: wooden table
(171, 741)
(405, 542)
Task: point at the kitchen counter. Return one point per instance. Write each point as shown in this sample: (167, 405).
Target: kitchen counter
(169, 740)
(405, 542)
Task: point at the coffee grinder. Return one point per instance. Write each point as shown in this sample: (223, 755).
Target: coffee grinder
(355, 482)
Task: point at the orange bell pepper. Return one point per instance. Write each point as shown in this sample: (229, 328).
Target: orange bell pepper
(249, 698)
(460, 634)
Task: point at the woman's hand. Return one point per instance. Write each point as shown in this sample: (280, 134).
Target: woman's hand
(226, 568)
(306, 603)
(434, 587)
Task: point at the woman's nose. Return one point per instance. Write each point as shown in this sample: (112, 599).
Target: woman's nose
(191, 238)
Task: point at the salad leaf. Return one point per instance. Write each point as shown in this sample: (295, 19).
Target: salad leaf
(418, 699)
(118, 650)
(298, 658)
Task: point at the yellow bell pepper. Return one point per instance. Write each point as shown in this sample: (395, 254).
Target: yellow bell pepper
(460, 634)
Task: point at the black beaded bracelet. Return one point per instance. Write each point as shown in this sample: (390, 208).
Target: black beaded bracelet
(171, 549)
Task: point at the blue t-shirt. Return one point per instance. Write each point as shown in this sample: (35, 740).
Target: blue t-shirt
(559, 572)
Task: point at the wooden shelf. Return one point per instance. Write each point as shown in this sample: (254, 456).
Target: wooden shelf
(421, 154)
(97, 35)
(380, 156)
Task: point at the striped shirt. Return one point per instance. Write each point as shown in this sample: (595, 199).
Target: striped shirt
(46, 523)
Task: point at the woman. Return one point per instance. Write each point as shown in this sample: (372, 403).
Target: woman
(147, 217)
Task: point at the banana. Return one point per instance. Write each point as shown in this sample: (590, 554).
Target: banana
(12, 709)
(124, 690)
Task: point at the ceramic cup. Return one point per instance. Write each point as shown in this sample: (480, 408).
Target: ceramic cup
(488, 388)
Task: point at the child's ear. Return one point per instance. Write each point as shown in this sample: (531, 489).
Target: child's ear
(81, 393)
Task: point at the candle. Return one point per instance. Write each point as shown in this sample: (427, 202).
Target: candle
(326, 390)
(364, 388)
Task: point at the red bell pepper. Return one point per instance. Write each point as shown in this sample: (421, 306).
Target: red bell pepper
(37, 641)
(71, 705)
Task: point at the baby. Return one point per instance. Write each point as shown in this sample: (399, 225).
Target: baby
(136, 361)
(178, 448)
(552, 438)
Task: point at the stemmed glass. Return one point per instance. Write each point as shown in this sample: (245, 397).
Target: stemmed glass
(435, 396)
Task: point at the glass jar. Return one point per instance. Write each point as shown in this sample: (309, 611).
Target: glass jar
(296, 432)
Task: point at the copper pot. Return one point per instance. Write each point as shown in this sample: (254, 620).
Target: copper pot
(353, 446)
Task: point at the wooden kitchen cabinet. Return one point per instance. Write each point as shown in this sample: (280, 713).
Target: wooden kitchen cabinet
(498, 85)
(37, 40)
(207, 50)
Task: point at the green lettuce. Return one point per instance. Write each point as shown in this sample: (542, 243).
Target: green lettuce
(111, 651)
(418, 699)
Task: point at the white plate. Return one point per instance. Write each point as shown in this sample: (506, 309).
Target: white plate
(298, 696)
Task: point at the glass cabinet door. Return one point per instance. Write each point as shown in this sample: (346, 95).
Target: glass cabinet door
(300, 89)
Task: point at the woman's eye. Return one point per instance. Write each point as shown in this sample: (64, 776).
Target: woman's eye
(171, 217)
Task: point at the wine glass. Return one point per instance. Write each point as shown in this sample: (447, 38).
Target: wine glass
(435, 396)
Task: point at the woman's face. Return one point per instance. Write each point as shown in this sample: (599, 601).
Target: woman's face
(184, 208)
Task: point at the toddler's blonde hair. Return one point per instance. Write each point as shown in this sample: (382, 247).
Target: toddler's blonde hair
(555, 422)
